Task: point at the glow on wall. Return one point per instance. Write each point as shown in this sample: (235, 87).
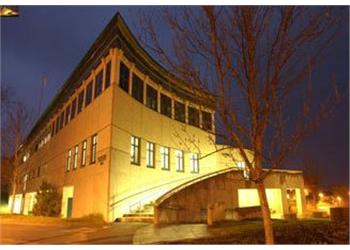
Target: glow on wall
(249, 197)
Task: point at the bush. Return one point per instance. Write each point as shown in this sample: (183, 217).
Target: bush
(48, 201)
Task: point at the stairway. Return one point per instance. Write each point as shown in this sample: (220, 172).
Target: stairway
(141, 214)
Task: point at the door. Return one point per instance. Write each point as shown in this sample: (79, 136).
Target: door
(69, 207)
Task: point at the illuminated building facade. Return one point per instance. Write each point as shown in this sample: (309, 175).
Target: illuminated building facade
(123, 133)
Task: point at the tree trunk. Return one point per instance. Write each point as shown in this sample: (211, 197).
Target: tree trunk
(13, 186)
(265, 210)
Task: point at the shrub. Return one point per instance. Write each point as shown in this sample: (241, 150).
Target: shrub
(48, 201)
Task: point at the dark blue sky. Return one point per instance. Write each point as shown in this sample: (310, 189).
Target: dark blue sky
(50, 41)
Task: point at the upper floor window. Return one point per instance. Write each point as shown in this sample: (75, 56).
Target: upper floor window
(164, 158)
(57, 124)
(193, 116)
(241, 166)
(93, 148)
(165, 105)
(69, 159)
(83, 153)
(88, 97)
(135, 150)
(108, 75)
(150, 154)
(179, 155)
(75, 162)
(180, 112)
(67, 114)
(53, 129)
(194, 163)
(124, 74)
(206, 120)
(98, 83)
(62, 120)
(80, 101)
(74, 108)
(152, 98)
(137, 88)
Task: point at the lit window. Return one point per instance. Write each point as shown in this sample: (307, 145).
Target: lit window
(67, 114)
(137, 88)
(75, 162)
(152, 98)
(93, 149)
(194, 163)
(164, 158)
(69, 159)
(165, 107)
(98, 83)
(135, 150)
(193, 116)
(80, 101)
(150, 154)
(88, 97)
(206, 121)
(108, 75)
(124, 77)
(241, 166)
(179, 155)
(179, 111)
(83, 153)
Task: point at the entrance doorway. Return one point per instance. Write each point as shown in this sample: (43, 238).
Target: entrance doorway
(69, 207)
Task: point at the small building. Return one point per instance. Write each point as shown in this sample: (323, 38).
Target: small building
(124, 136)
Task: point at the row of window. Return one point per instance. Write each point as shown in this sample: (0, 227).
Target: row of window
(166, 103)
(73, 153)
(135, 155)
(76, 106)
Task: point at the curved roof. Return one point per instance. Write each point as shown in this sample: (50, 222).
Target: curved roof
(117, 34)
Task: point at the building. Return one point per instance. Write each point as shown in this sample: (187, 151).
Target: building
(123, 134)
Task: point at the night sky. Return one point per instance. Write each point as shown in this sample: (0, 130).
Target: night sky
(50, 41)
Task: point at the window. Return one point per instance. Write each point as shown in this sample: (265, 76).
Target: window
(241, 166)
(194, 163)
(88, 96)
(67, 114)
(93, 149)
(152, 98)
(52, 129)
(137, 88)
(62, 120)
(135, 150)
(179, 155)
(164, 158)
(150, 154)
(98, 83)
(83, 153)
(124, 77)
(57, 124)
(180, 111)
(206, 121)
(74, 108)
(80, 101)
(108, 75)
(69, 159)
(75, 162)
(193, 116)
(165, 108)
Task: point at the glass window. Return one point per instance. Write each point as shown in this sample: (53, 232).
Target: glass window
(108, 75)
(124, 77)
(74, 108)
(193, 116)
(98, 83)
(57, 124)
(88, 97)
(206, 120)
(165, 107)
(150, 154)
(67, 114)
(52, 129)
(180, 112)
(194, 163)
(80, 101)
(152, 98)
(69, 159)
(179, 155)
(93, 148)
(164, 158)
(83, 153)
(62, 120)
(241, 166)
(137, 88)
(135, 150)
(75, 162)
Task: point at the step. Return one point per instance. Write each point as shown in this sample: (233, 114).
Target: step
(136, 219)
(138, 215)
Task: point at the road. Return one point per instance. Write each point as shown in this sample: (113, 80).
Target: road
(120, 233)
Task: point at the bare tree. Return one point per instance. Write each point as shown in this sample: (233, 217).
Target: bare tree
(258, 62)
